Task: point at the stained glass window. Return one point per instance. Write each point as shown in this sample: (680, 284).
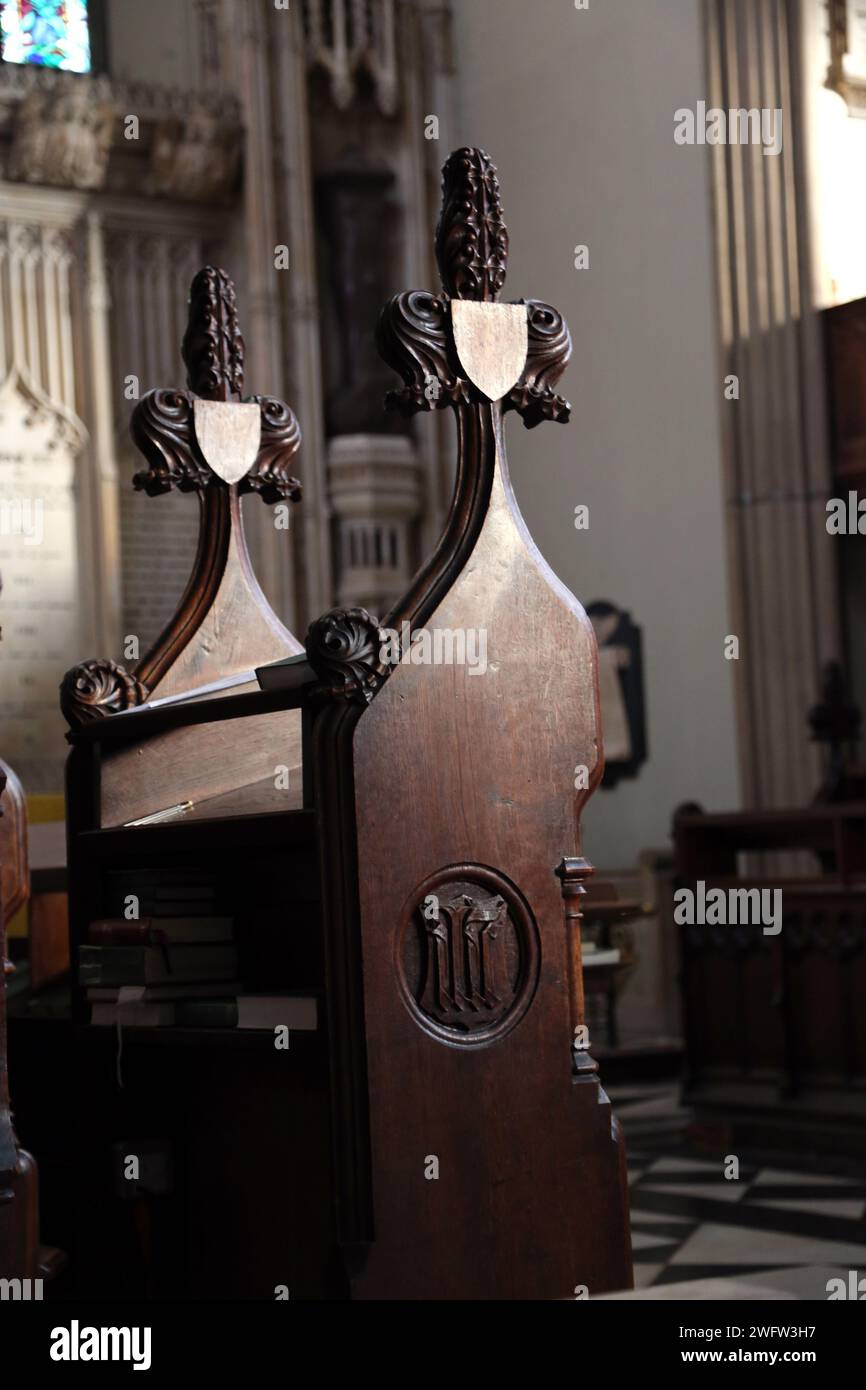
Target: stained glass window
(52, 33)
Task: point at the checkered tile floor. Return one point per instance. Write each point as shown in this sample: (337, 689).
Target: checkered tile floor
(690, 1222)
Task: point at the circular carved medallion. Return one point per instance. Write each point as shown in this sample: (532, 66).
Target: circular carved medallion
(467, 954)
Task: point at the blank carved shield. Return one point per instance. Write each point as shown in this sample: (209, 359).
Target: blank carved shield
(492, 341)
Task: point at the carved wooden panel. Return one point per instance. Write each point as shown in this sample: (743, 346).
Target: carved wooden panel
(464, 792)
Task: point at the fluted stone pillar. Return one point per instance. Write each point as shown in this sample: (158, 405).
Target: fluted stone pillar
(777, 470)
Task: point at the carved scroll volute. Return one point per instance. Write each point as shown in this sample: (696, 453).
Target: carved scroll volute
(94, 689)
(344, 649)
(211, 440)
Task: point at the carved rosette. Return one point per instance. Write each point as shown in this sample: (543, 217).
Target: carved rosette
(95, 689)
(415, 336)
(343, 648)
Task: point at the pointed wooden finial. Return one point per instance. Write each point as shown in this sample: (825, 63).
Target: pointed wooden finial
(471, 238)
(213, 348)
(210, 440)
(416, 336)
(164, 423)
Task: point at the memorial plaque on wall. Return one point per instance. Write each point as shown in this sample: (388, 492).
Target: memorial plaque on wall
(39, 572)
(621, 691)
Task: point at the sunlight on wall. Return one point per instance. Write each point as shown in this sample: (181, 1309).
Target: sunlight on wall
(837, 157)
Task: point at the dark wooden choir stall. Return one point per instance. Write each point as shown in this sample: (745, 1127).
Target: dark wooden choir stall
(775, 1024)
(775, 1027)
(392, 836)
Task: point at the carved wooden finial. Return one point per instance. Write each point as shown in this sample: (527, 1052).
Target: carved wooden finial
(471, 238)
(461, 347)
(213, 348)
(208, 435)
(208, 439)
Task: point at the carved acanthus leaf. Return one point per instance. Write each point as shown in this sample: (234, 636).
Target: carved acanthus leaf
(343, 648)
(414, 337)
(547, 357)
(162, 428)
(95, 689)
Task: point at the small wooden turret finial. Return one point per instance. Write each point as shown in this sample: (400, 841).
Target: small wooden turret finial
(213, 347)
(471, 237)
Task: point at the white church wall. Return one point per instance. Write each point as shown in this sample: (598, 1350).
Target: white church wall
(576, 108)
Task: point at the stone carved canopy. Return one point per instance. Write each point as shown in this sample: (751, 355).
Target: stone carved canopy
(349, 39)
(70, 130)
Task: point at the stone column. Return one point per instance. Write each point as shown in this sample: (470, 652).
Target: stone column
(777, 471)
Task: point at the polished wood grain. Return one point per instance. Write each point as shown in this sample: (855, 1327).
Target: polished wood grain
(429, 888)
(432, 775)
(480, 770)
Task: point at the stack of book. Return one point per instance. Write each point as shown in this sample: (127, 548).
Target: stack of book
(158, 970)
(175, 967)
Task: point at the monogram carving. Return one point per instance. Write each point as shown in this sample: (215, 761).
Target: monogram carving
(468, 955)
